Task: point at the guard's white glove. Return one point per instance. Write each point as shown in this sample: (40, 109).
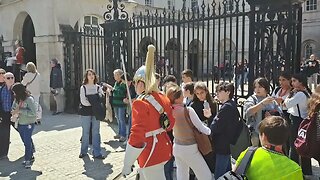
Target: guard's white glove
(126, 170)
(130, 157)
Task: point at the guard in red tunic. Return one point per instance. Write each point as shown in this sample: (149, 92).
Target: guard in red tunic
(151, 118)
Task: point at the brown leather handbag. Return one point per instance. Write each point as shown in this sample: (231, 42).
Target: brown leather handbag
(203, 141)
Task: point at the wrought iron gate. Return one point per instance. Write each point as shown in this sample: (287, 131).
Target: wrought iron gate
(210, 39)
(82, 50)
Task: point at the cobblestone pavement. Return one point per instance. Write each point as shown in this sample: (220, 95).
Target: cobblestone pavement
(57, 149)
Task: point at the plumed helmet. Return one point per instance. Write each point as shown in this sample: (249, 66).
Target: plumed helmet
(147, 73)
(140, 74)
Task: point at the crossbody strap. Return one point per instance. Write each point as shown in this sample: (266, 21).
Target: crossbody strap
(245, 162)
(187, 116)
(32, 79)
(154, 103)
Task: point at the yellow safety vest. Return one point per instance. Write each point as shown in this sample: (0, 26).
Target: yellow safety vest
(269, 165)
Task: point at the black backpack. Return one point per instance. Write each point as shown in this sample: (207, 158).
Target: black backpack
(97, 108)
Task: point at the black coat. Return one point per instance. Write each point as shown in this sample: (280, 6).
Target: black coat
(198, 107)
(56, 77)
(223, 127)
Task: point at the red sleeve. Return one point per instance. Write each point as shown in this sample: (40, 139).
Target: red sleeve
(138, 130)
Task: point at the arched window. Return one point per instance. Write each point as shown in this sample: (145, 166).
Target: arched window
(309, 48)
(91, 24)
(91, 21)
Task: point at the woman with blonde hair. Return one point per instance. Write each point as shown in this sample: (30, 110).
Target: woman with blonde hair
(32, 82)
(185, 148)
(314, 102)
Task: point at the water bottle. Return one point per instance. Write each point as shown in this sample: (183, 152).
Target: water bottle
(206, 104)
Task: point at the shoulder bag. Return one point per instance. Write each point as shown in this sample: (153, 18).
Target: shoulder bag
(203, 141)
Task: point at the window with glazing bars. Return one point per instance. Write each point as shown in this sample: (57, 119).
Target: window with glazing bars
(308, 50)
(229, 5)
(170, 4)
(194, 4)
(311, 5)
(148, 2)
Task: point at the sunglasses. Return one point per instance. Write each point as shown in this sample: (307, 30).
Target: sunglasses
(10, 78)
(2, 72)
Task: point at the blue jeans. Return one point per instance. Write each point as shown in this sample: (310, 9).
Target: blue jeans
(245, 78)
(223, 165)
(238, 79)
(168, 169)
(25, 132)
(120, 113)
(86, 121)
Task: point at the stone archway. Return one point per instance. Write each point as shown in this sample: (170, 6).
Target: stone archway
(143, 45)
(28, 33)
(194, 57)
(172, 50)
(24, 30)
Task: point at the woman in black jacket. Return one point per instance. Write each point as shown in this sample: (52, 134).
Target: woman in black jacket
(56, 85)
(201, 98)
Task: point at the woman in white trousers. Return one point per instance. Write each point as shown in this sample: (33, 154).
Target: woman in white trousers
(32, 82)
(185, 148)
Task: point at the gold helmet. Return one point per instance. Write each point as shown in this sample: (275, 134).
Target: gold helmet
(146, 73)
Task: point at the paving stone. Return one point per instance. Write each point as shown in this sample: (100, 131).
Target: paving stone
(57, 142)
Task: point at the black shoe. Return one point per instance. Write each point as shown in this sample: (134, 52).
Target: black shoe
(56, 113)
(99, 157)
(3, 157)
(31, 160)
(83, 155)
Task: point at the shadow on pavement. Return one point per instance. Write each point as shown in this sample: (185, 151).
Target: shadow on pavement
(96, 169)
(58, 122)
(15, 170)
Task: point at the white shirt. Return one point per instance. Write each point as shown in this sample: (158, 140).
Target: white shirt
(11, 61)
(197, 122)
(283, 97)
(299, 99)
(34, 87)
(90, 89)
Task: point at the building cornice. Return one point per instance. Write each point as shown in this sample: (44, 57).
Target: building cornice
(9, 3)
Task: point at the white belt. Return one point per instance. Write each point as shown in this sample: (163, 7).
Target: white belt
(154, 133)
(155, 140)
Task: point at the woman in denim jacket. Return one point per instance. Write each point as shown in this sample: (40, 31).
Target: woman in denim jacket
(258, 106)
(24, 115)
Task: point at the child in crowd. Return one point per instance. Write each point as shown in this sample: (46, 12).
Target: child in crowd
(269, 161)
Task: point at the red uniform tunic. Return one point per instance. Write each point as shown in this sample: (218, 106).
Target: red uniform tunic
(145, 118)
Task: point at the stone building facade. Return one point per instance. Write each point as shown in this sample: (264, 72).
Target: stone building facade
(39, 25)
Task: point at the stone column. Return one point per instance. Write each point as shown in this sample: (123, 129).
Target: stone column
(47, 47)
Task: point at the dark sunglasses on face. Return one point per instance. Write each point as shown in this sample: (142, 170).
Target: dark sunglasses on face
(10, 78)
(2, 72)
